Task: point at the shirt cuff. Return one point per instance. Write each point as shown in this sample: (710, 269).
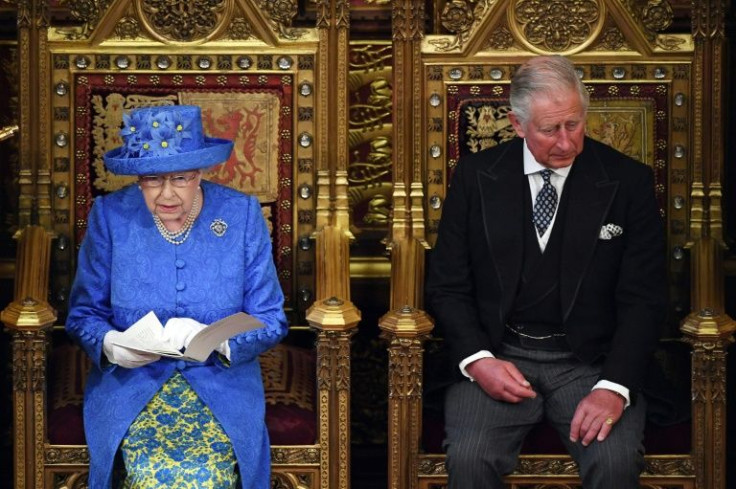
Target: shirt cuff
(617, 388)
(476, 356)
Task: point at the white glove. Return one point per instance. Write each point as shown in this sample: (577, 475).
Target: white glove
(178, 332)
(224, 349)
(125, 357)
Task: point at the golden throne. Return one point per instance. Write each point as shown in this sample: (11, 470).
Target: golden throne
(650, 97)
(260, 73)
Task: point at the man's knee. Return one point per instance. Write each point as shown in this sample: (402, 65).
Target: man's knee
(479, 457)
(604, 469)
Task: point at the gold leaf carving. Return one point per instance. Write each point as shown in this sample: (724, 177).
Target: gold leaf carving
(405, 368)
(562, 466)
(75, 480)
(432, 466)
(557, 26)
(408, 21)
(611, 40)
(128, 28)
(295, 455)
(240, 29)
(459, 17)
(282, 13)
(183, 20)
(38, 374)
(88, 12)
(20, 371)
(657, 15)
(667, 466)
(66, 455)
(500, 39)
(368, 58)
(670, 43)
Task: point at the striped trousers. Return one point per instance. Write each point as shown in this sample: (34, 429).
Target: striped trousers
(484, 436)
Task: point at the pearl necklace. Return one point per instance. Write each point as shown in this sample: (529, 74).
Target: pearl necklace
(180, 236)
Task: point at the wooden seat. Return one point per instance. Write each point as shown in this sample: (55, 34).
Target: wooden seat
(288, 375)
(453, 78)
(260, 82)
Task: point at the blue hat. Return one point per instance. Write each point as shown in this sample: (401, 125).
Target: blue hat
(164, 140)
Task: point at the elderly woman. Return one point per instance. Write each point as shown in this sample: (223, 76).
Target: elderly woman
(192, 252)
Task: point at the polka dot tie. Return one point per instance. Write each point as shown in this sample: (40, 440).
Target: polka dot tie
(545, 204)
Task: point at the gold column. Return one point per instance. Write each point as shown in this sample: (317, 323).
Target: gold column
(406, 325)
(34, 168)
(407, 242)
(332, 315)
(335, 321)
(708, 327)
(28, 318)
(405, 329)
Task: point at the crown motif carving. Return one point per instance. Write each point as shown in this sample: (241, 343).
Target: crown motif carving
(181, 21)
(555, 26)
(551, 27)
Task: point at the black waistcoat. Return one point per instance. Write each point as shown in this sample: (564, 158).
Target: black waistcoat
(538, 298)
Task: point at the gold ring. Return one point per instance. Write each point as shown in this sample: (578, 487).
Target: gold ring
(609, 420)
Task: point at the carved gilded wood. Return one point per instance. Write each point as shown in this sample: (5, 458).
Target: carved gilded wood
(406, 330)
(28, 318)
(77, 77)
(709, 329)
(370, 141)
(649, 89)
(333, 314)
(669, 471)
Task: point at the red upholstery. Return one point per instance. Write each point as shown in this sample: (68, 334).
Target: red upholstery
(288, 374)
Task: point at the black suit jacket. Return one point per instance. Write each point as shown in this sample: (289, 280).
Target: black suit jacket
(613, 292)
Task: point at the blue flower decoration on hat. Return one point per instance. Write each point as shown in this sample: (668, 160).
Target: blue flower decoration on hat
(164, 140)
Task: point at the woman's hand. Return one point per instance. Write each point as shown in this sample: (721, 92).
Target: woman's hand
(124, 357)
(178, 332)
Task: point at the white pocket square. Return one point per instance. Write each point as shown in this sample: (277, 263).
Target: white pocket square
(609, 231)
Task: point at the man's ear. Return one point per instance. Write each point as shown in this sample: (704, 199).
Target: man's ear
(517, 125)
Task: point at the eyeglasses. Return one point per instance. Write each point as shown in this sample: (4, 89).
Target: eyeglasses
(155, 181)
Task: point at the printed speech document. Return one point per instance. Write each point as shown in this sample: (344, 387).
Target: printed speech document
(147, 335)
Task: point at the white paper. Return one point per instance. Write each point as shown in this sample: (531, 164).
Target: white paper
(205, 341)
(147, 335)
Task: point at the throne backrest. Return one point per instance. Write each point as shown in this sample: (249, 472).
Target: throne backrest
(638, 107)
(633, 118)
(640, 79)
(260, 97)
(261, 82)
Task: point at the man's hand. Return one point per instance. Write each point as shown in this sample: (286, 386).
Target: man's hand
(500, 379)
(595, 416)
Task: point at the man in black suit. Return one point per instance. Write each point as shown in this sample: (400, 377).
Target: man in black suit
(548, 283)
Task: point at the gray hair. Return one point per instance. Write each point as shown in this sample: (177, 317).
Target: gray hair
(543, 75)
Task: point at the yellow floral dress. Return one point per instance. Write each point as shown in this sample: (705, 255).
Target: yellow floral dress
(177, 443)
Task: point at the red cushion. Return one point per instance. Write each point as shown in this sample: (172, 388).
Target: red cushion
(68, 367)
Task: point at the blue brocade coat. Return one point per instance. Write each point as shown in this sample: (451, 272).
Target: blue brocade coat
(127, 269)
